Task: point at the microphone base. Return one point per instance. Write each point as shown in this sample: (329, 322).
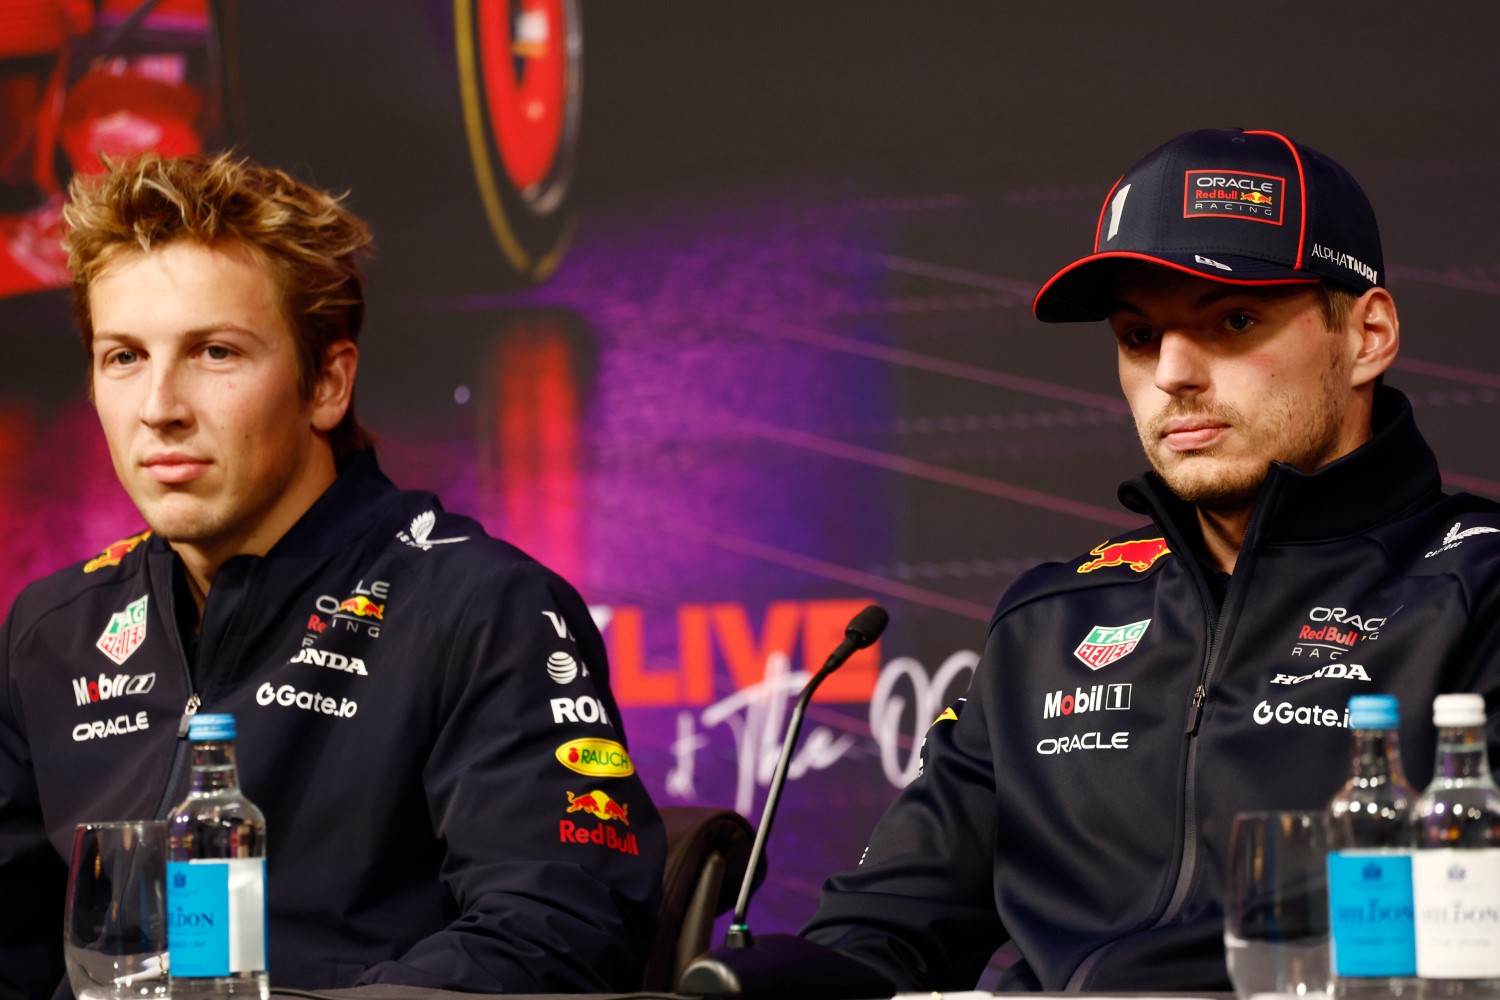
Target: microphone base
(784, 967)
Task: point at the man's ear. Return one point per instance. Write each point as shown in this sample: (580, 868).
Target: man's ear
(1375, 335)
(335, 386)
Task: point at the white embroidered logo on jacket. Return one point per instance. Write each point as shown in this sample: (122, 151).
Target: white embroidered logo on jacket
(421, 529)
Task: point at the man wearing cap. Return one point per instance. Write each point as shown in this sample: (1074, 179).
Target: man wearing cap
(1299, 550)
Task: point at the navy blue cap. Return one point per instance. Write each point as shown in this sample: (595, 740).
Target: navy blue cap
(1251, 208)
(203, 728)
(1373, 711)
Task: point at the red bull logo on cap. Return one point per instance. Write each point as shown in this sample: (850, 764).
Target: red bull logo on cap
(116, 551)
(1139, 554)
(363, 606)
(599, 805)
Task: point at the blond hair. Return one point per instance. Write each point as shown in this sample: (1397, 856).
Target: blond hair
(310, 243)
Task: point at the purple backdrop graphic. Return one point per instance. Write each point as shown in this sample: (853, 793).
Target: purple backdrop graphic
(786, 364)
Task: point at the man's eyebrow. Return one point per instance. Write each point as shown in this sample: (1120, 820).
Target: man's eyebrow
(1263, 292)
(197, 331)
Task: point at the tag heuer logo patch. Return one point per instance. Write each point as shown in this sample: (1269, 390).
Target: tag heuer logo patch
(125, 632)
(1107, 643)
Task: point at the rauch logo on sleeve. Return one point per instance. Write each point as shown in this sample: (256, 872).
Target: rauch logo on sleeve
(125, 632)
(596, 758)
(1107, 643)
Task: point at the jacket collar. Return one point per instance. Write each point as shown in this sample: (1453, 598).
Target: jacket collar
(1389, 474)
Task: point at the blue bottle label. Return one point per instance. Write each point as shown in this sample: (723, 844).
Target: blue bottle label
(216, 923)
(1371, 913)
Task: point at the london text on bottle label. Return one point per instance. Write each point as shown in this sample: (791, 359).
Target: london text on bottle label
(216, 922)
(1457, 895)
(1370, 913)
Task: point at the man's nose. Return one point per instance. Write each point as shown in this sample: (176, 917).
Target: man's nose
(165, 402)
(1181, 364)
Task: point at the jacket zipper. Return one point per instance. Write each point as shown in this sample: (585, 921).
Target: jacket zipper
(1188, 864)
(194, 702)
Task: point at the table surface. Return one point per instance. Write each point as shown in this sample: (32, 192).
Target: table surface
(386, 992)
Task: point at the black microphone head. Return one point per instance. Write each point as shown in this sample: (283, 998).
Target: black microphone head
(866, 626)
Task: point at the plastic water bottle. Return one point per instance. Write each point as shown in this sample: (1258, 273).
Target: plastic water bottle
(1369, 863)
(216, 876)
(1456, 870)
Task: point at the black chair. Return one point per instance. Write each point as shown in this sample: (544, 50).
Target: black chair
(707, 852)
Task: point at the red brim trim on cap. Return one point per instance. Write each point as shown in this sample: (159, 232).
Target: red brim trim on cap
(1084, 295)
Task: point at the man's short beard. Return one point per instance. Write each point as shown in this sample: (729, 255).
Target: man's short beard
(1230, 488)
(1307, 433)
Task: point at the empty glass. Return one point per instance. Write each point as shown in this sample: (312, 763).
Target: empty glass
(1276, 905)
(114, 925)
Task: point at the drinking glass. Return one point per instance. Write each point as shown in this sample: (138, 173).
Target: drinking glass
(114, 925)
(1276, 905)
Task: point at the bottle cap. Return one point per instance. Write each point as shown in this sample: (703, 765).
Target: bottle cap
(203, 728)
(1373, 711)
(1453, 710)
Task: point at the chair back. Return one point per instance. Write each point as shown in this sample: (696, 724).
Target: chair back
(707, 851)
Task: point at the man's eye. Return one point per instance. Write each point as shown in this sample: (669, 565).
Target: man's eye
(1239, 322)
(121, 358)
(217, 352)
(1139, 336)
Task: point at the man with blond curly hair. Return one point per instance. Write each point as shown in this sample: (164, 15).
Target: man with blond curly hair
(396, 674)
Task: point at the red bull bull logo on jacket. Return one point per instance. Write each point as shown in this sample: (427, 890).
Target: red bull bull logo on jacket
(600, 805)
(604, 833)
(362, 606)
(1140, 554)
(116, 551)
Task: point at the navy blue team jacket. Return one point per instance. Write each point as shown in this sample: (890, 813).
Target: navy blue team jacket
(1080, 799)
(424, 717)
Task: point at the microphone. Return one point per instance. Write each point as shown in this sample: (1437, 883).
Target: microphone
(785, 964)
(862, 631)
